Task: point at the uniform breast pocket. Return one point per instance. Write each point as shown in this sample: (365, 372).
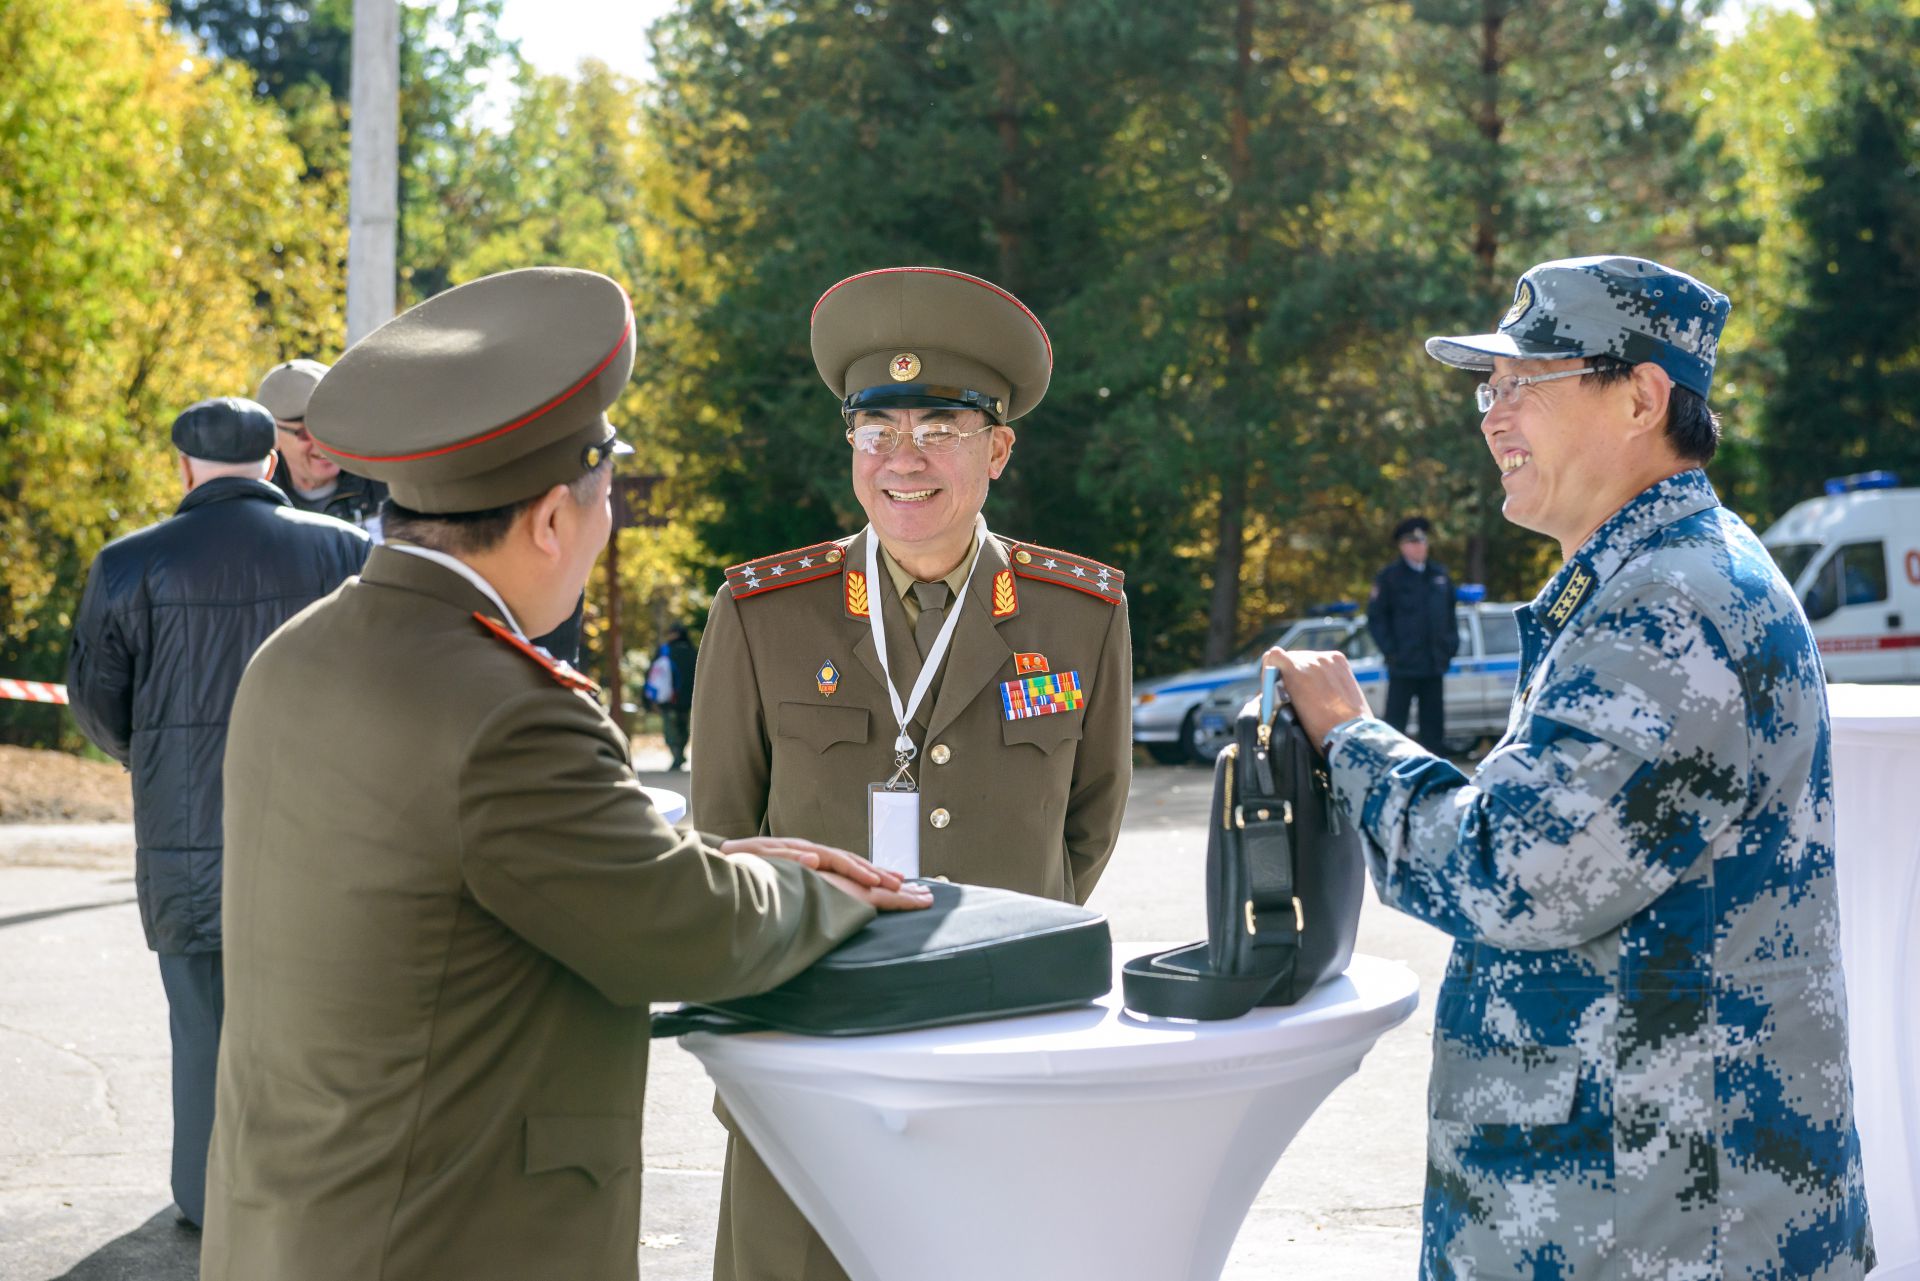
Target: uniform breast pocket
(820, 726)
(1048, 733)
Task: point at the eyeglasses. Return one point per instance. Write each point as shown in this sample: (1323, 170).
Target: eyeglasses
(928, 438)
(1487, 395)
(296, 430)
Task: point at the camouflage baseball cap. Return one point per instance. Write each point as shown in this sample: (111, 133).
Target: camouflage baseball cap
(1607, 305)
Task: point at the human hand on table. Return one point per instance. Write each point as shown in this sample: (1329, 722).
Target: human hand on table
(847, 872)
(1321, 687)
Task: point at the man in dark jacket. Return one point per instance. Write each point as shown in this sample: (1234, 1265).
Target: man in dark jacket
(676, 710)
(1410, 613)
(170, 617)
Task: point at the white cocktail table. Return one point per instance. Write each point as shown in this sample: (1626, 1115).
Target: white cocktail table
(1092, 1143)
(1876, 839)
(671, 804)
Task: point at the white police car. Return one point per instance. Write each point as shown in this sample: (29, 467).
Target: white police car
(1478, 685)
(1164, 708)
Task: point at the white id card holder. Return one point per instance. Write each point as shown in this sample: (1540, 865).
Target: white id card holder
(893, 829)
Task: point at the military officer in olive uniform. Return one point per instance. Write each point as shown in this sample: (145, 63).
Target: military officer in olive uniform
(1013, 765)
(442, 935)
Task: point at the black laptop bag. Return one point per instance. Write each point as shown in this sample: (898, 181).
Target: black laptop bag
(1284, 883)
(976, 954)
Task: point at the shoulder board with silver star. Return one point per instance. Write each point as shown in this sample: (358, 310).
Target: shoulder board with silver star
(1050, 565)
(784, 569)
(561, 672)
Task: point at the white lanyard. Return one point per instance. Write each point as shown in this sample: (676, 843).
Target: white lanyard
(902, 745)
(467, 572)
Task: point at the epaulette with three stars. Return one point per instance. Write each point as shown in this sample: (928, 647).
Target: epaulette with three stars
(1050, 565)
(784, 569)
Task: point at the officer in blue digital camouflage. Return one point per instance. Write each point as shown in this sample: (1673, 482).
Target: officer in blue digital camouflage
(1640, 1047)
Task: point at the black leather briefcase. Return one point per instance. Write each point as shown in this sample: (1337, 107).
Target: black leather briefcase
(1284, 883)
(977, 953)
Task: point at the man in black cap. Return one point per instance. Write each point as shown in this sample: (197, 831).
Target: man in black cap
(170, 617)
(1410, 613)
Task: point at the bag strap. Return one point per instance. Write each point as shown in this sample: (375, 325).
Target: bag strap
(1183, 983)
(698, 1018)
(1264, 818)
(1180, 983)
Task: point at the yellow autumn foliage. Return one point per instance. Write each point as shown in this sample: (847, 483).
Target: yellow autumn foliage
(161, 241)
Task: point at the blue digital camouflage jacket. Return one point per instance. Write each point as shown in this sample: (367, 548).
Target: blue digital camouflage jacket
(1640, 1051)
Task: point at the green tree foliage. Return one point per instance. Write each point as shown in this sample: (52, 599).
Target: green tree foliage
(158, 246)
(1528, 132)
(1142, 180)
(1848, 398)
(301, 56)
(571, 178)
(1760, 96)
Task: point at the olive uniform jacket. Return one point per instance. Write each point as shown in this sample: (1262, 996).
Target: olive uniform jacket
(792, 721)
(448, 904)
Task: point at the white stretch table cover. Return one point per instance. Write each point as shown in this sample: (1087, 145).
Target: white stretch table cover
(1876, 783)
(671, 804)
(1091, 1143)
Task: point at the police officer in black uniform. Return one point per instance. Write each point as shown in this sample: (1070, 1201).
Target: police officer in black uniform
(1410, 613)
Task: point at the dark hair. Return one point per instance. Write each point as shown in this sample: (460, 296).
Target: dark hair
(1692, 429)
(471, 533)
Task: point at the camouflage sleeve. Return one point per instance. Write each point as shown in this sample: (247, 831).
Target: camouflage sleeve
(1631, 759)
(1103, 764)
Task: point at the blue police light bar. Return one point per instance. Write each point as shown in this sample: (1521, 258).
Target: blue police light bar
(1470, 593)
(1336, 608)
(1863, 480)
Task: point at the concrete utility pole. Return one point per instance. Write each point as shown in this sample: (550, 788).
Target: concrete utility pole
(373, 194)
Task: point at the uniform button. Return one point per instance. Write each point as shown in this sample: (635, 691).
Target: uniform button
(1023, 557)
(939, 818)
(940, 754)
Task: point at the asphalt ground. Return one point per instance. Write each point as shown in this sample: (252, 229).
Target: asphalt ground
(85, 1123)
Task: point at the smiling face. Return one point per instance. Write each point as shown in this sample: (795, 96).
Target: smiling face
(1562, 449)
(307, 467)
(923, 503)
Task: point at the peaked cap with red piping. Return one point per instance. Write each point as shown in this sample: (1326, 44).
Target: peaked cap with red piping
(904, 337)
(486, 394)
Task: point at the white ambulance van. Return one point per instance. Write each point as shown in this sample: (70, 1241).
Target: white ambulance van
(1853, 556)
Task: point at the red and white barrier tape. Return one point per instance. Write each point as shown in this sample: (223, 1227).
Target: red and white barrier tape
(32, 691)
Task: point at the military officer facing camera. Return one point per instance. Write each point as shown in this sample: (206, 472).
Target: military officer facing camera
(1640, 1047)
(950, 701)
(448, 900)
